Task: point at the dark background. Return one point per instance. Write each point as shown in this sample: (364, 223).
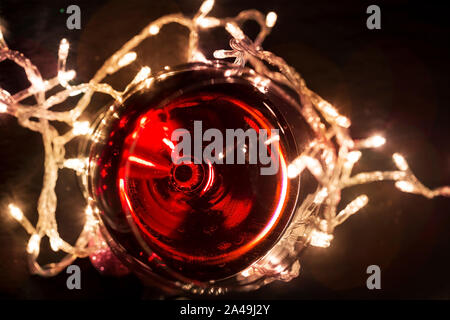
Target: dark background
(392, 81)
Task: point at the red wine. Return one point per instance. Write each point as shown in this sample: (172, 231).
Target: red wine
(205, 220)
(204, 213)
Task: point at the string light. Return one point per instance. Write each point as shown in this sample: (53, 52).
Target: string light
(331, 164)
(153, 29)
(127, 59)
(320, 238)
(400, 161)
(16, 213)
(3, 107)
(81, 128)
(271, 19)
(372, 142)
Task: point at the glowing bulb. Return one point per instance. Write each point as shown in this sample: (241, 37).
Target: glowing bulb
(3, 107)
(33, 244)
(154, 29)
(343, 121)
(2, 40)
(261, 84)
(235, 31)
(37, 83)
(321, 196)
(206, 6)
(271, 19)
(400, 161)
(63, 49)
(220, 54)
(404, 186)
(142, 74)
(228, 73)
(320, 239)
(328, 109)
(89, 211)
(293, 171)
(207, 22)
(314, 166)
(76, 164)
(245, 273)
(15, 212)
(376, 141)
(148, 82)
(65, 76)
(127, 59)
(357, 204)
(55, 243)
(354, 156)
(81, 128)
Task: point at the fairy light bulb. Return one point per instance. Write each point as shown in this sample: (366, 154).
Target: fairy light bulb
(400, 161)
(15, 211)
(404, 186)
(271, 19)
(81, 128)
(320, 239)
(142, 74)
(3, 107)
(76, 164)
(127, 59)
(33, 244)
(234, 30)
(374, 142)
(207, 22)
(153, 29)
(63, 49)
(354, 156)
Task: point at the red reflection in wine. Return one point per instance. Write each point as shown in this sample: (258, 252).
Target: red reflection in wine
(209, 213)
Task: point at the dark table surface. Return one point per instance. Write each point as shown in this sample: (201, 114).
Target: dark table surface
(393, 81)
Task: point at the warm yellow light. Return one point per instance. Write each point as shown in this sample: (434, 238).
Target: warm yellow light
(354, 156)
(404, 186)
(320, 239)
(15, 212)
(76, 164)
(343, 121)
(400, 161)
(55, 243)
(127, 59)
(206, 6)
(321, 196)
(65, 76)
(142, 74)
(63, 49)
(271, 19)
(207, 22)
(3, 107)
(376, 141)
(33, 244)
(81, 128)
(235, 31)
(154, 29)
